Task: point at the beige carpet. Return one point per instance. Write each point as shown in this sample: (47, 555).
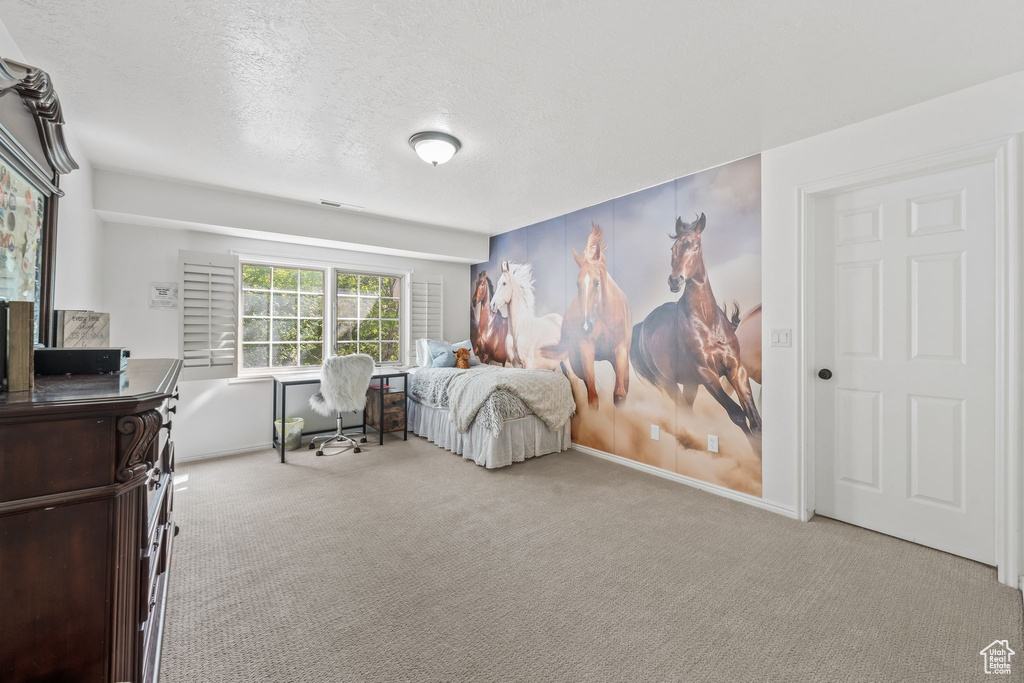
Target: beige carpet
(407, 563)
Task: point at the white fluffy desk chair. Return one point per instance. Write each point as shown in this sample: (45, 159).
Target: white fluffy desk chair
(343, 384)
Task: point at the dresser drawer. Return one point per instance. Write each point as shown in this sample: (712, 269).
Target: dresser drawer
(152, 631)
(42, 458)
(150, 568)
(157, 489)
(155, 602)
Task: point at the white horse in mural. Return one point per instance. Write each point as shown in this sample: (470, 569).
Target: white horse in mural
(527, 333)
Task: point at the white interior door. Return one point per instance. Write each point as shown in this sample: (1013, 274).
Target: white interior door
(905, 322)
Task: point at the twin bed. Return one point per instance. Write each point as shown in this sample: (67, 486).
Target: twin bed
(491, 415)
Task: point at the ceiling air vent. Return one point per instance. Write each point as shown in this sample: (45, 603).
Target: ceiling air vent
(341, 205)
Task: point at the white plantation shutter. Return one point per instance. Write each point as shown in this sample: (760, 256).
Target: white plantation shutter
(209, 315)
(426, 309)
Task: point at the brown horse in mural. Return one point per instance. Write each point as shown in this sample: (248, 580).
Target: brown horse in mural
(748, 333)
(692, 342)
(597, 324)
(491, 328)
(474, 319)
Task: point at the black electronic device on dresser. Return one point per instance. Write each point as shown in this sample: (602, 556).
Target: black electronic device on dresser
(87, 524)
(80, 361)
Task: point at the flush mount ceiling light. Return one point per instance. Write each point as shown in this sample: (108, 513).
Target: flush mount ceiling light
(434, 148)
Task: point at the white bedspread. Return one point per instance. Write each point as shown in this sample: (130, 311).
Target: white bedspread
(547, 394)
(492, 395)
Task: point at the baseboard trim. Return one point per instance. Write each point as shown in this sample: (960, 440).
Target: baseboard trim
(221, 454)
(618, 459)
(690, 481)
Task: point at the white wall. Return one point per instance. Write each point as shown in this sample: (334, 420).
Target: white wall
(219, 416)
(80, 253)
(984, 112)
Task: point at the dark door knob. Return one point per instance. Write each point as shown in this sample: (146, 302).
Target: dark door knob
(825, 373)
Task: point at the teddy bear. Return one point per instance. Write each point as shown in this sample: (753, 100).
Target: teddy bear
(462, 358)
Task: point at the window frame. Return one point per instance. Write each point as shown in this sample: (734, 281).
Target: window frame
(359, 319)
(330, 317)
(271, 318)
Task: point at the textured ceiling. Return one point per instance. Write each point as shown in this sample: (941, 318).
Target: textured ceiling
(558, 104)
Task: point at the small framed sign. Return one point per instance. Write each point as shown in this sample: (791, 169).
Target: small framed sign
(163, 294)
(83, 328)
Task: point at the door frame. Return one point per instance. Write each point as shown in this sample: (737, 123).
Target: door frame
(1004, 156)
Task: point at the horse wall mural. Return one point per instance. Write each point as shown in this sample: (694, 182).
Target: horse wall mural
(652, 332)
(597, 324)
(488, 330)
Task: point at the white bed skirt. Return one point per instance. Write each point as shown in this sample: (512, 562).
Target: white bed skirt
(520, 439)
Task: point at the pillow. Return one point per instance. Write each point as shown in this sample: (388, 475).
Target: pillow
(436, 348)
(423, 356)
(426, 349)
(445, 359)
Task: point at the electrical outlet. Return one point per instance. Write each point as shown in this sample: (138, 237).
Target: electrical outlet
(712, 443)
(655, 432)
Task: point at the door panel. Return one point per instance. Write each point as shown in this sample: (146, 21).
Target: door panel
(905, 319)
(859, 290)
(937, 307)
(858, 437)
(937, 451)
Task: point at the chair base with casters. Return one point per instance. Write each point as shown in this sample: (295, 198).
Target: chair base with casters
(339, 438)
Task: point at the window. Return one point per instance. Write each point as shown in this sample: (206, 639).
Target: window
(282, 316)
(368, 315)
(287, 317)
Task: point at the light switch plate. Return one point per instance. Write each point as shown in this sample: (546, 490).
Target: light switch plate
(655, 432)
(780, 337)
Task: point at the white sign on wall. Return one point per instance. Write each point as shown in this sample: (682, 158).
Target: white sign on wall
(163, 294)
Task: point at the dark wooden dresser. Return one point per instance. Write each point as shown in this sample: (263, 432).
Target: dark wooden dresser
(86, 524)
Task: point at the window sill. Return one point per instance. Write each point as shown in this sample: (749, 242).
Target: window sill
(249, 379)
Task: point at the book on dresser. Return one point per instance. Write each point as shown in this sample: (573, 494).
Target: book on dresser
(87, 524)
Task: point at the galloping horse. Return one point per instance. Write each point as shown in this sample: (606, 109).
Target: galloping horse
(491, 328)
(748, 333)
(692, 342)
(526, 332)
(597, 324)
(481, 288)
